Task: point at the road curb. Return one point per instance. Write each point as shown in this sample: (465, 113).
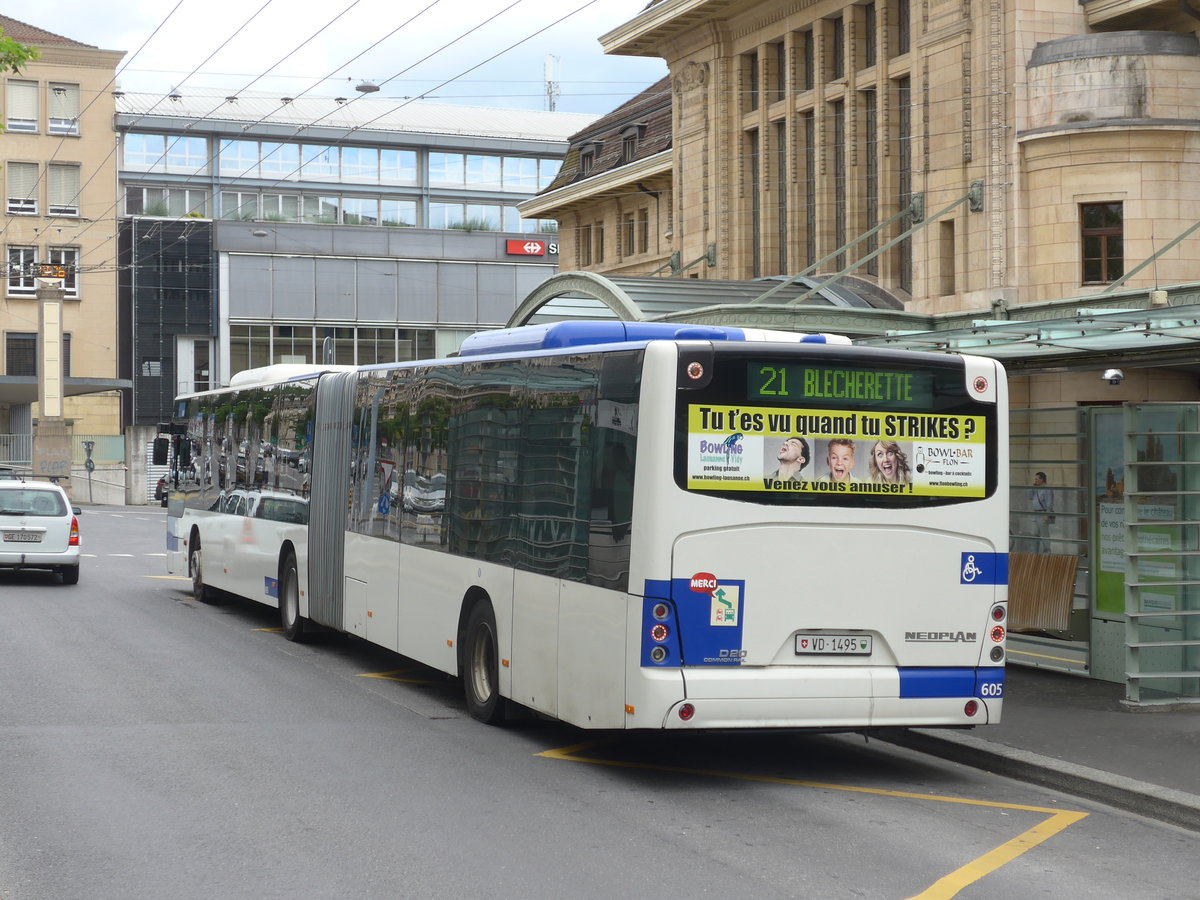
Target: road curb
(1140, 797)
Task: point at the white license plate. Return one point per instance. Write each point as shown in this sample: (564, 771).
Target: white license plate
(18, 537)
(833, 644)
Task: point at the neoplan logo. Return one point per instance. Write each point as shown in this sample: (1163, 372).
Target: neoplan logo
(941, 637)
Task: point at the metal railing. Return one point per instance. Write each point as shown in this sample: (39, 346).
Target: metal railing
(17, 449)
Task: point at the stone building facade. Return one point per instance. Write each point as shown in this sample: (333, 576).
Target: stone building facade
(59, 169)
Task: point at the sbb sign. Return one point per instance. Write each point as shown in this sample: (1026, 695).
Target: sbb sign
(532, 248)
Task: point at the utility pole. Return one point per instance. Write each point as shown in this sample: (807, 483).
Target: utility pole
(51, 447)
(552, 86)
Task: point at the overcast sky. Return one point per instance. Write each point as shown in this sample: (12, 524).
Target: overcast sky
(407, 61)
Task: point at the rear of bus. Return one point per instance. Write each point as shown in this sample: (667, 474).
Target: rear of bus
(865, 586)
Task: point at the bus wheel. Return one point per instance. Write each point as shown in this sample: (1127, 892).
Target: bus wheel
(289, 601)
(200, 591)
(481, 675)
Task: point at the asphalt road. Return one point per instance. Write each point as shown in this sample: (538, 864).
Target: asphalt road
(153, 747)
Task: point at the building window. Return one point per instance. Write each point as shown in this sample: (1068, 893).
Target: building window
(187, 155)
(360, 164)
(68, 258)
(147, 153)
(278, 161)
(484, 172)
(21, 281)
(64, 108)
(598, 245)
(753, 161)
(1102, 234)
(868, 35)
(781, 71)
(750, 75)
(837, 48)
(644, 230)
(175, 202)
(629, 145)
(64, 190)
(20, 354)
(587, 160)
(360, 210)
(898, 27)
(447, 169)
(398, 166)
(22, 107)
(398, 213)
(628, 235)
(235, 205)
(320, 162)
(22, 188)
(808, 66)
(583, 246)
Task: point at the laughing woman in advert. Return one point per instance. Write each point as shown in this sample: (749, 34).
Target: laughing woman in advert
(889, 463)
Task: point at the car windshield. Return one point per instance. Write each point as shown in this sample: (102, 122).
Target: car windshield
(31, 502)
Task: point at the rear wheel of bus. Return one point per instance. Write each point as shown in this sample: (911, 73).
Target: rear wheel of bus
(200, 591)
(480, 666)
(289, 600)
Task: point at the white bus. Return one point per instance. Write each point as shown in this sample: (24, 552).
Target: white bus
(628, 525)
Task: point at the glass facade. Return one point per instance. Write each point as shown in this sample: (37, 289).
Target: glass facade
(383, 168)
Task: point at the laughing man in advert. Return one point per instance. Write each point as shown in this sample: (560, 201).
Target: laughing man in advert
(839, 455)
(792, 458)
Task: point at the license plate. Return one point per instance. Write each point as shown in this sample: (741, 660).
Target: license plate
(833, 644)
(19, 537)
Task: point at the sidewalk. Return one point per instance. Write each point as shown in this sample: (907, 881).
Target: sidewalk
(1075, 735)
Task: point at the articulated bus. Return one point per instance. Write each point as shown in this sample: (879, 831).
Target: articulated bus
(627, 525)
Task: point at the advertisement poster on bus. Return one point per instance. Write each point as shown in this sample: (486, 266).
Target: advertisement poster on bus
(830, 451)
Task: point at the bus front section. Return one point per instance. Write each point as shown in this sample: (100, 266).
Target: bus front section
(835, 520)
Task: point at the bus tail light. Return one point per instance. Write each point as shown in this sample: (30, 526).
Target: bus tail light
(660, 633)
(998, 613)
(998, 633)
(74, 539)
(997, 654)
(686, 711)
(971, 707)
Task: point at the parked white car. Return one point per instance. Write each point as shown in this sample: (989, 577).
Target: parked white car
(39, 529)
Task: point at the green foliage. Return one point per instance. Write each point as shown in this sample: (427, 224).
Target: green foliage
(13, 55)
(473, 224)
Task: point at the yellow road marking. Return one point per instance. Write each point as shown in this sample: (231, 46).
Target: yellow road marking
(944, 888)
(394, 676)
(1066, 659)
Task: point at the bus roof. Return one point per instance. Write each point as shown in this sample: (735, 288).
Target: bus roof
(560, 335)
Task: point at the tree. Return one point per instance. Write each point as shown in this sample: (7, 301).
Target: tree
(13, 55)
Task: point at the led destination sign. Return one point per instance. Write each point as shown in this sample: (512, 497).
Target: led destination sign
(839, 385)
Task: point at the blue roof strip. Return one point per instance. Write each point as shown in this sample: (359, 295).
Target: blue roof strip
(562, 335)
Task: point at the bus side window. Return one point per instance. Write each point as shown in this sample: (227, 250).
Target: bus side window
(616, 489)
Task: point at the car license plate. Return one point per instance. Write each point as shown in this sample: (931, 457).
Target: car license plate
(833, 644)
(18, 537)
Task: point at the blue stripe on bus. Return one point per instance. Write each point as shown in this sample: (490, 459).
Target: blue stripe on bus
(944, 681)
(271, 587)
(983, 568)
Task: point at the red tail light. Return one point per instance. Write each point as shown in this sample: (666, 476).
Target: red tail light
(74, 541)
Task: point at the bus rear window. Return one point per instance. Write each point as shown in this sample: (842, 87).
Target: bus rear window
(835, 428)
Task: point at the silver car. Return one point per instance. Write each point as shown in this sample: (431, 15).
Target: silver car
(39, 529)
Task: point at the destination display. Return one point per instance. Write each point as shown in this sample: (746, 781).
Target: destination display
(809, 384)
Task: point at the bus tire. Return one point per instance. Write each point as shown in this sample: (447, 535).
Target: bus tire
(201, 592)
(289, 601)
(481, 679)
